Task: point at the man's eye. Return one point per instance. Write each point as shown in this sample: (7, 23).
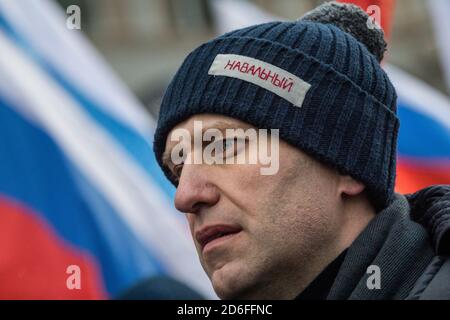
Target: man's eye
(230, 147)
(227, 144)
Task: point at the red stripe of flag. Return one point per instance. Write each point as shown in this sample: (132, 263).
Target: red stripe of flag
(413, 175)
(34, 261)
(386, 9)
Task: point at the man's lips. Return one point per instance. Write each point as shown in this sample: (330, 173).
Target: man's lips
(211, 233)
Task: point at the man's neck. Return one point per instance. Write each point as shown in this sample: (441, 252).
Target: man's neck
(357, 214)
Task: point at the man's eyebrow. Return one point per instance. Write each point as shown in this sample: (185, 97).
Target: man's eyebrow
(221, 125)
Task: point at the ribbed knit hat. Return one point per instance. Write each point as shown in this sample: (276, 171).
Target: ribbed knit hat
(318, 80)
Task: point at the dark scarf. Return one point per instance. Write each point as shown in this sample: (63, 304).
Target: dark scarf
(399, 246)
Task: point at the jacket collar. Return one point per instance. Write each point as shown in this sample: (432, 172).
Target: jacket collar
(431, 208)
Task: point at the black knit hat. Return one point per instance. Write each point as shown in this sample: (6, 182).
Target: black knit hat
(313, 79)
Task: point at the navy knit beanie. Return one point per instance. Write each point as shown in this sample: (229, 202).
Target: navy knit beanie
(318, 80)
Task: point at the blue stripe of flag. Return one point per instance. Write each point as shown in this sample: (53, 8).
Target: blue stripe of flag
(33, 170)
(137, 146)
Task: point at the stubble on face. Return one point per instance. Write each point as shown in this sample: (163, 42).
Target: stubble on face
(292, 222)
(288, 219)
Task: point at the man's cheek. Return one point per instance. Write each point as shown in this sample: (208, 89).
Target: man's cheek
(190, 217)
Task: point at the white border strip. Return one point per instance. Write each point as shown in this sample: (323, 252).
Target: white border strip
(440, 10)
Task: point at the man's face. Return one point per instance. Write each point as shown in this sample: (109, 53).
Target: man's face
(253, 232)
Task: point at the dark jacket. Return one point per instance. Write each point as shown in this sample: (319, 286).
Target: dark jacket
(409, 243)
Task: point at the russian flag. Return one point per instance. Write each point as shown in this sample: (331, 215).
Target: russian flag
(424, 137)
(79, 186)
(386, 11)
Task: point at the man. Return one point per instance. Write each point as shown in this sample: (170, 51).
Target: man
(327, 224)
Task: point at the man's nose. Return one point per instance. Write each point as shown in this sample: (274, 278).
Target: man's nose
(195, 190)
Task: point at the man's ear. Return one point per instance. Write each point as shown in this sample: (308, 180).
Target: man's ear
(350, 186)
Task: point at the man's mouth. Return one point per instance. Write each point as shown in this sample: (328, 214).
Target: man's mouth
(212, 235)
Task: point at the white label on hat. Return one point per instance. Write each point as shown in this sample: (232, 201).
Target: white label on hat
(263, 74)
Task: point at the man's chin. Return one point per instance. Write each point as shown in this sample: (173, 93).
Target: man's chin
(231, 282)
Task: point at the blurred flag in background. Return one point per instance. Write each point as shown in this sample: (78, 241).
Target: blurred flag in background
(80, 189)
(378, 9)
(440, 10)
(85, 211)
